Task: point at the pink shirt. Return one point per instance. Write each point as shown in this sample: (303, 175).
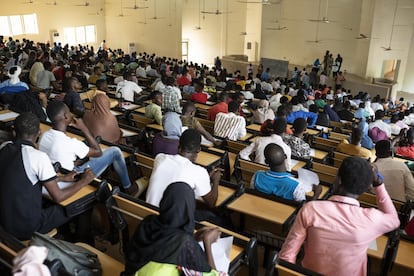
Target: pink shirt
(337, 233)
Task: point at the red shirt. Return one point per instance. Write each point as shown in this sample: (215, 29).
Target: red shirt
(199, 97)
(183, 80)
(214, 110)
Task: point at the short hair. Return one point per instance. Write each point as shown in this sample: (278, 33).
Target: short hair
(274, 154)
(279, 126)
(282, 111)
(299, 125)
(233, 106)
(355, 174)
(26, 124)
(383, 149)
(356, 135)
(156, 94)
(188, 107)
(313, 108)
(169, 81)
(100, 82)
(190, 141)
(54, 108)
(223, 96)
(379, 114)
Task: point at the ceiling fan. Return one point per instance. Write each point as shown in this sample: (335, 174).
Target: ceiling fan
(392, 29)
(362, 36)
(136, 7)
(155, 17)
(325, 18)
(28, 2)
(263, 2)
(278, 28)
(198, 27)
(86, 4)
(216, 12)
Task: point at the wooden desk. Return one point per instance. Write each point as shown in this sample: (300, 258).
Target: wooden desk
(405, 255)
(110, 266)
(140, 110)
(253, 127)
(246, 137)
(381, 244)
(223, 194)
(156, 127)
(202, 106)
(206, 159)
(85, 191)
(269, 210)
(320, 154)
(298, 165)
(7, 115)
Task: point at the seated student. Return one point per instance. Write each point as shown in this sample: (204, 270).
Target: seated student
(97, 74)
(101, 122)
(310, 117)
(406, 144)
(379, 123)
(153, 110)
(101, 88)
(61, 148)
(163, 242)
(126, 89)
(46, 79)
(263, 112)
(277, 181)
(181, 167)
(188, 120)
(24, 171)
(346, 114)
(354, 148)
(230, 125)
(338, 231)
(13, 84)
(300, 149)
(199, 96)
(257, 147)
(323, 118)
(167, 140)
(171, 96)
(220, 107)
(72, 98)
(398, 179)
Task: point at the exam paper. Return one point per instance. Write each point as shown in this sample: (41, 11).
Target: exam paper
(221, 253)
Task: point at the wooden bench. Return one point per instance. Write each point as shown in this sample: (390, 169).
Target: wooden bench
(139, 121)
(325, 173)
(324, 143)
(208, 125)
(235, 146)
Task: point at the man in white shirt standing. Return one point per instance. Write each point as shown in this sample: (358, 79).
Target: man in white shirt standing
(230, 125)
(127, 88)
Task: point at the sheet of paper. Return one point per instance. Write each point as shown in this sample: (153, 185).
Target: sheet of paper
(126, 132)
(129, 106)
(308, 178)
(373, 245)
(312, 152)
(221, 253)
(61, 185)
(8, 116)
(293, 162)
(321, 128)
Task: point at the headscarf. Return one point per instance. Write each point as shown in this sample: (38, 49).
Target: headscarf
(172, 126)
(100, 120)
(163, 238)
(263, 112)
(14, 78)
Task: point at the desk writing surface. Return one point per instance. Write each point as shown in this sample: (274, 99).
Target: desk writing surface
(246, 137)
(298, 165)
(235, 252)
(381, 244)
(223, 194)
(319, 154)
(202, 106)
(156, 127)
(405, 254)
(110, 266)
(262, 208)
(8, 115)
(86, 190)
(253, 127)
(140, 110)
(206, 159)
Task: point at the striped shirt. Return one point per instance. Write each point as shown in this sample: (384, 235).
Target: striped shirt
(229, 126)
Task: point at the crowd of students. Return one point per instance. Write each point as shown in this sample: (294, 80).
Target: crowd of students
(273, 102)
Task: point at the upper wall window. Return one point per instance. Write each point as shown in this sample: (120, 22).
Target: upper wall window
(79, 35)
(18, 25)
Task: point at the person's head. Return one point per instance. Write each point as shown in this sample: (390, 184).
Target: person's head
(128, 75)
(190, 142)
(282, 111)
(223, 97)
(395, 118)
(157, 97)
(97, 70)
(47, 65)
(101, 103)
(26, 127)
(354, 177)
(356, 136)
(172, 125)
(313, 108)
(102, 85)
(189, 108)
(383, 149)
(279, 126)
(74, 84)
(299, 126)
(346, 105)
(234, 106)
(170, 81)
(239, 97)
(275, 157)
(379, 114)
(177, 207)
(410, 136)
(58, 112)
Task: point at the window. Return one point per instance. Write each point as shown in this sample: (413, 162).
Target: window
(18, 24)
(79, 35)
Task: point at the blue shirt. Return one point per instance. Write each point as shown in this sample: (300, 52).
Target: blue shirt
(281, 184)
(6, 87)
(302, 114)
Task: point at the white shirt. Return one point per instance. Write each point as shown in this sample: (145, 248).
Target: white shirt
(61, 148)
(381, 125)
(229, 126)
(258, 146)
(140, 72)
(267, 86)
(127, 89)
(44, 79)
(172, 168)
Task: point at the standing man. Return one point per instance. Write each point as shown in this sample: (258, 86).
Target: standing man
(25, 170)
(338, 231)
